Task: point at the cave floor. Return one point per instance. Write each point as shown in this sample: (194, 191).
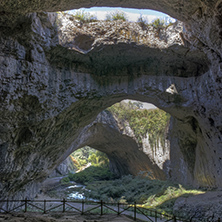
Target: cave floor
(38, 217)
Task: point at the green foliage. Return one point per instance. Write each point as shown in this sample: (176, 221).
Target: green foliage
(167, 196)
(84, 17)
(65, 180)
(99, 159)
(90, 174)
(158, 23)
(81, 156)
(153, 122)
(87, 155)
(149, 193)
(83, 153)
(142, 22)
(117, 15)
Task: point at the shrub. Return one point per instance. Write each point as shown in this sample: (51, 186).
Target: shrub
(84, 17)
(150, 193)
(115, 191)
(91, 174)
(158, 24)
(117, 15)
(65, 180)
(142, 22)
(153, 122)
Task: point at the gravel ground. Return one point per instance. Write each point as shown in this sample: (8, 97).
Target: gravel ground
(60, 217)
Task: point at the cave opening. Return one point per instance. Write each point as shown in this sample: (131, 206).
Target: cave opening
(137, 173)
(88, 156)
(130, 136)
(130, 14)
(129, 141)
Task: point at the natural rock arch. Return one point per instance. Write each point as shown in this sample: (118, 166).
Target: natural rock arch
(126, 155)
(50, 102)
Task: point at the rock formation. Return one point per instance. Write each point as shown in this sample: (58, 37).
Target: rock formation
(206, 205)
(54, 83)
(64, 168)
(126, 154)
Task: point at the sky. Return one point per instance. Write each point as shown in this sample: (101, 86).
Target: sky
(132, 14)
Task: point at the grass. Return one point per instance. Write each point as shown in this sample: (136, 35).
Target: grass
(165, 199)
(65, 181)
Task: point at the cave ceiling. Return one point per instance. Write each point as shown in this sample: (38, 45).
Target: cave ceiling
(176, 8)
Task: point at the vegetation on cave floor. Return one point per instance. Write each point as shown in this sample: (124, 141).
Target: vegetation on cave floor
(91, 174)
(101, 184)
(149, 193)
(91, 164)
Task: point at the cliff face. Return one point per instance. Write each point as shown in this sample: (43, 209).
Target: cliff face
(54, 83)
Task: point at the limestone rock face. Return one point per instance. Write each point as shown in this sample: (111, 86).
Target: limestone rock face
(206, 205)
(54, 83)
(64, 168)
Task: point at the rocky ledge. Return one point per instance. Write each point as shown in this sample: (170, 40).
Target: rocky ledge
(120, 47)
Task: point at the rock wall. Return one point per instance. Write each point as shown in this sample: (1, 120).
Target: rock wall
(200, 206)
(53, 85)
(64, 168)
